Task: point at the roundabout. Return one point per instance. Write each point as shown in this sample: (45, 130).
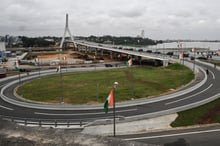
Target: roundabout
(203, 90)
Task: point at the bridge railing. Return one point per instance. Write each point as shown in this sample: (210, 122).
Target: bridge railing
(54, 123)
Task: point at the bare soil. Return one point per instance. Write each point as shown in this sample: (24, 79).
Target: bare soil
(210, 116)
(14, 135)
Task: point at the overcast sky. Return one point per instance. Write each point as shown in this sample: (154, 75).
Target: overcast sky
(160, 19)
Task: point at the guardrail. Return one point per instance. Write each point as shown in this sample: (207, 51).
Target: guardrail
(56, 123)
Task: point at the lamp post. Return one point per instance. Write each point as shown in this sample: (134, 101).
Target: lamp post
(194, 60)
(19, 76)
(114, 86)
(19, 72)
(125, 42)
(39, 65)
(61, 85)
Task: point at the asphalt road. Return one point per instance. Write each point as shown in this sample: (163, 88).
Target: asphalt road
(128, 110)
(194, 136)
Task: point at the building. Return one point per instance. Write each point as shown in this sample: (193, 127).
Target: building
(2, 49)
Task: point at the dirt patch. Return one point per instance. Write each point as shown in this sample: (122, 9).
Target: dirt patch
(131, 78)
(12, 134)
(57, 56)
(210, 116)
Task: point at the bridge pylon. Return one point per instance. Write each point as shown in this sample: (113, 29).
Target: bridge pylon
(67, 30)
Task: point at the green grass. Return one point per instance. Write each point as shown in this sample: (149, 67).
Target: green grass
(205, 114)
(94, 86)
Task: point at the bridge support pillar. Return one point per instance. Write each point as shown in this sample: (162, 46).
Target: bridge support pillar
(139, 59)
(86, 50)
(95, 51)
(119, 56)
(90, 50)
(111, 56)
(165, 62)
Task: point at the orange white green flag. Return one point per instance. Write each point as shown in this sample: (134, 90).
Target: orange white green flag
(109, 101)
(17, 65)
(129, 62)
(59, 69)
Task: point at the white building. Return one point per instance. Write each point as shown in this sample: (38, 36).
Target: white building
(2, 49)
(2, 46)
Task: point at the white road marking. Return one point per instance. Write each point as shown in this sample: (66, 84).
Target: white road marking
(213, 75)
(6, 108)
(171, 135)
(51, 114)
(189, 96)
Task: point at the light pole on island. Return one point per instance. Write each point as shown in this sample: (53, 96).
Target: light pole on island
(194, 59)
(114, 86)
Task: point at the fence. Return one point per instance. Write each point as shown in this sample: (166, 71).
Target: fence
(56, 123)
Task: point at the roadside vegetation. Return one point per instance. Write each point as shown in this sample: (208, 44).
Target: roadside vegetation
(205, 114)
(94, 86)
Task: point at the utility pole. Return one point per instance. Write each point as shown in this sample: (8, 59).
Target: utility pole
(61, 84)
(114, 126)
(194, 61)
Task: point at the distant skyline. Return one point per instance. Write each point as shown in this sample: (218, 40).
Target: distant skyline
(160, 19)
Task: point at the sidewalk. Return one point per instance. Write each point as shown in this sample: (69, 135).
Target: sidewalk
(152, 124)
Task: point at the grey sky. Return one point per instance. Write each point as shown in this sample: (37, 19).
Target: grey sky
(160, 19)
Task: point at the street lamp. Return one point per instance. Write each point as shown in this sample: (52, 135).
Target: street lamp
(39, 65)
(61, 84)
(194, 60)
(125, 42)
(115, 86)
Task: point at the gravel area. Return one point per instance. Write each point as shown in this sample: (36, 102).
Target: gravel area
(15, 135)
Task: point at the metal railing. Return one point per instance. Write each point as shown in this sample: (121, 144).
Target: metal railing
(54, 123)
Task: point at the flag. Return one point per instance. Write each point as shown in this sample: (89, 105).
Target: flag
(17, 65)
(129, 62)
(59, 69)
(180, 44)
(181, 56)
(109, 101)
(36, 61)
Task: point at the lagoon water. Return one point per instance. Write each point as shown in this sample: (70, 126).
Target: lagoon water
(206, 45)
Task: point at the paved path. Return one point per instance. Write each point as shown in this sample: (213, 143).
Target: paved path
(207, 135)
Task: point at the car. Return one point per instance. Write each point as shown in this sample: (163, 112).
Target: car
(202, 58)
(170, 53)
(157, 52)
(140, 50)
(108, 65)
(149, 51)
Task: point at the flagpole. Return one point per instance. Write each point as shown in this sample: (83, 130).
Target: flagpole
(39, 66)
(194, 61)
(132, 82)
(115, 86)
(19, 73)
(19, 76)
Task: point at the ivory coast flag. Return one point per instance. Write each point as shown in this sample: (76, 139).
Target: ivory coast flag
(109, 101)
(181, 56)
(17, 65)
(59, 69)
(129, 62)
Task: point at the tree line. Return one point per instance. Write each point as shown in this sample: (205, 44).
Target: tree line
(48, 41)
(122, 40)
